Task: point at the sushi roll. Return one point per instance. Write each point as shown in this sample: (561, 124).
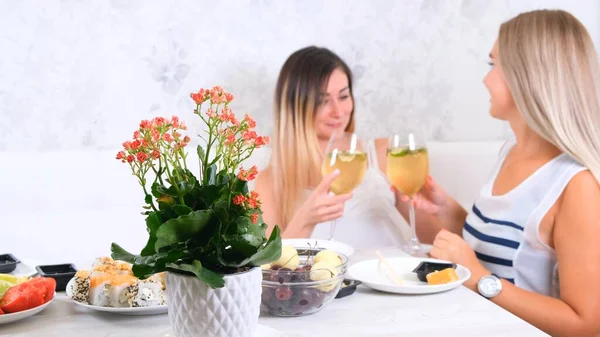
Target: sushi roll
(117, 297)
(100, 294)
(117, 268)
(105, 260)
(108, 290)
(159, 278)
(146, 293)
(80, 290)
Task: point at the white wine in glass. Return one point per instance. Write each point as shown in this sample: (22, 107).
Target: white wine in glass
(345, 152)
(407, 170)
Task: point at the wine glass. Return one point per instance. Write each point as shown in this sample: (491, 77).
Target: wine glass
(407, 170)
(345, 152)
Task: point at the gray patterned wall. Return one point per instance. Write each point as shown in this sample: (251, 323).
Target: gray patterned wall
(79, 75)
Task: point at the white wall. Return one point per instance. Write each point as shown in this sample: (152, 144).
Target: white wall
(81, 74)
(76, 77)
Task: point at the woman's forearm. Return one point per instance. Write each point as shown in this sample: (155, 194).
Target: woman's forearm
(556, 318)
(453, 217)
(450, 217)
(297, 228)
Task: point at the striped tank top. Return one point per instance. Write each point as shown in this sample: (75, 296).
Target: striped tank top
(504, 230)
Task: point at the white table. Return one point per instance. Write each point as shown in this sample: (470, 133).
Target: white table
(459, 312)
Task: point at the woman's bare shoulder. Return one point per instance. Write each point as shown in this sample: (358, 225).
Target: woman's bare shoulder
(264, 179)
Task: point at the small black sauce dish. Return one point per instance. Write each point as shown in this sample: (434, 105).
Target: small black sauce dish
(425, 268)
(348, 288)
(61, 273)
(8, 263)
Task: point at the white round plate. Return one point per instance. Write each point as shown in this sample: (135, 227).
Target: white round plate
(368, 273)
(261, 331)
(143, 311)
(335, 246)
(17, 316)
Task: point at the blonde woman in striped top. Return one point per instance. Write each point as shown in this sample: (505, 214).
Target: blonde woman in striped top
(532, 237)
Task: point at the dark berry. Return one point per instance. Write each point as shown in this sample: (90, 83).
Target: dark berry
(267, 295)
(297, 309)
(304, 297)
(283, 293)
(317, 298)
(283, 275)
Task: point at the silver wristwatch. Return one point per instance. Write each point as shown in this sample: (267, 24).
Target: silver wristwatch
(489, 286)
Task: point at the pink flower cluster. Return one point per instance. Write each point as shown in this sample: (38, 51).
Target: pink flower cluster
(156, 137)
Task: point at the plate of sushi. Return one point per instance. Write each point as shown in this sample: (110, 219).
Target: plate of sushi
(110, 286)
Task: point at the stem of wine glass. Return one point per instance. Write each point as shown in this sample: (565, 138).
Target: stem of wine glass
(414, 246)
(332, 230)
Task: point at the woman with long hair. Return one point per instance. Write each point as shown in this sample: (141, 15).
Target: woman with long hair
(313, 100)
(531, 237)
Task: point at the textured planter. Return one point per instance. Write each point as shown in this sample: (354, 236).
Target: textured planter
(197, 310)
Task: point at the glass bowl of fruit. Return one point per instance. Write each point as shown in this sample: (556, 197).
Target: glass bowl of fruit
(302, 281)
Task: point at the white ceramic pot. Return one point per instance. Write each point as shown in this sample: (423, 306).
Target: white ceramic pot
(195, 309)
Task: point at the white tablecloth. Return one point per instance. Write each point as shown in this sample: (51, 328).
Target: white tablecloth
(459, 312)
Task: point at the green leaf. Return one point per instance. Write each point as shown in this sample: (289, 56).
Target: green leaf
(143, 271)
(182, 228)
(153, 222)
(271, 251)
(181, 209)
(201, 153)
(145, 266)
(215, 159)
(159, 190)
(223, 178)
(256, 229)
(240, 186)
(118, 253)
(242, 245)
(211, 172)
(212, 279)
(239, 249)
(209, 194)
(202, 241)
(240, 226)
(253, 240)
(243, 225)
(187, 182)
(165, 202)
(154, 189)
(221, 209)
(148, 199)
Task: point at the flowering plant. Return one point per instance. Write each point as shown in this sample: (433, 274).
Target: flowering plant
(207, 226)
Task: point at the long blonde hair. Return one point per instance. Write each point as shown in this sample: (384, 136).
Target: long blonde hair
(552, 70)
(296, 157)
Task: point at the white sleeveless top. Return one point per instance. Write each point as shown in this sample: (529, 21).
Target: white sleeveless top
(370, 218)
(504, 230)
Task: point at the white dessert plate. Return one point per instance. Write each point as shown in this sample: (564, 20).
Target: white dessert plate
(369, 274)
(142, 311)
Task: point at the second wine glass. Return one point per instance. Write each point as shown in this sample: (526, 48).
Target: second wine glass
(407, 170)
(345, 152)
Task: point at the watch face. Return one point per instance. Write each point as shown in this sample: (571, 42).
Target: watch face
(489, 286)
